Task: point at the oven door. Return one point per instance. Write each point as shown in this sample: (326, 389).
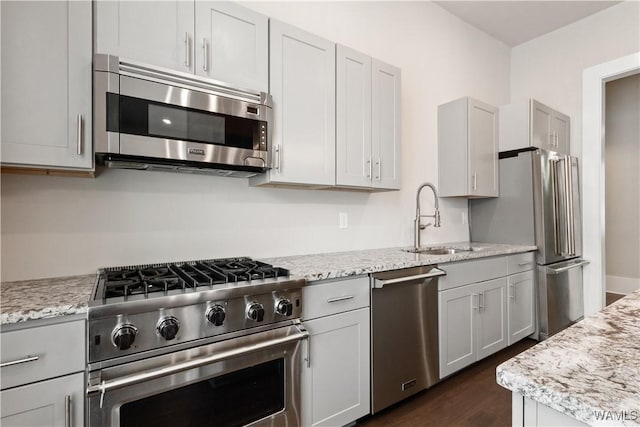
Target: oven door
(250, 380)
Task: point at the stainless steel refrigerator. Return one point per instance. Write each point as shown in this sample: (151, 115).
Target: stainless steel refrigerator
(539, 204)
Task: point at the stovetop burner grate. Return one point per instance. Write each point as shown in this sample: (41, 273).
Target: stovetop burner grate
(189, 275)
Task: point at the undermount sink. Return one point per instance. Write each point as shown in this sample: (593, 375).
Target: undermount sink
(441, 250)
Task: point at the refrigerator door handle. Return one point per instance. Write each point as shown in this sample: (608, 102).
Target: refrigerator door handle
(571, 238)
(552, 270)
(556, 206)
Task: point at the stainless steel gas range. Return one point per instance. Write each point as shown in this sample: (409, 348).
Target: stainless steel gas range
(212, 342)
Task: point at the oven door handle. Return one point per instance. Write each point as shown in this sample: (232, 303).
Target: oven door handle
(105, 386)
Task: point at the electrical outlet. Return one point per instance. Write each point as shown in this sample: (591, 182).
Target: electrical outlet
(344, 219)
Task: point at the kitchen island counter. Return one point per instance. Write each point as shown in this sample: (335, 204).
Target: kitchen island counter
(590, 371)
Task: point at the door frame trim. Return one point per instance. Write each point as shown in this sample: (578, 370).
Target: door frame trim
(593, 127)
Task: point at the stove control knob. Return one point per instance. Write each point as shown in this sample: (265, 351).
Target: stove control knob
(168, 327)
(255, 311)
(284, 307)
(216, 314)
(123, 336)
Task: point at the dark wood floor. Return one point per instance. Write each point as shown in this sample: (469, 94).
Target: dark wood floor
(470, 397)
(611, 297)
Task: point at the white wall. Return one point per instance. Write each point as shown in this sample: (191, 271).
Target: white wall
(54, 226)
(622, 184)
(549, 68)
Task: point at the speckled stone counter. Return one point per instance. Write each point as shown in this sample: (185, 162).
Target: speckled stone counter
(45, 298)
(40, 299)
(343, 264)
(592, 366)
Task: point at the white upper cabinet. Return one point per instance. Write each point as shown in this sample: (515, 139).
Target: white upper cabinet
(354, 165)
(367, 121)
(153, 32)
(218, 40)
(46, 84)
(303, 144)
(468, 149)
(232, 44)
(533, 124)
(385, 99)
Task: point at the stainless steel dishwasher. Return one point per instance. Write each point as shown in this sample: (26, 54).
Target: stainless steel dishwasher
(404, 334)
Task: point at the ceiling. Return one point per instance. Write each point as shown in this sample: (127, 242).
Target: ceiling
(515, 22)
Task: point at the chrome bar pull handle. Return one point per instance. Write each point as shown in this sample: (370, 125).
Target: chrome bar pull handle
(369, 169)
(337, 299)
(80, 136)
(378, 164)
(475, 181)
(187, 50)
(481, 301)
(67, 411)
(205, 55)
(476, 298)
(19, 361)
(277, 158)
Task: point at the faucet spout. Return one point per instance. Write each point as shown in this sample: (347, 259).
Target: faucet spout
(436, 214)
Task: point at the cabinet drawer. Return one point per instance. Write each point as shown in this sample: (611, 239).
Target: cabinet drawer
(46, 351)
(478, 270)
(521, 262)
(326, 298)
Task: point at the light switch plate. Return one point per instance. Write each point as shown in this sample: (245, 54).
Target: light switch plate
(344, 219)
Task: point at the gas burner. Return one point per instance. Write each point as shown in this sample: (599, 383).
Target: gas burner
(160, 279)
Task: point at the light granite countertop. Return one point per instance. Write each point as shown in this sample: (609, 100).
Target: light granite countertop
(592, 366)
(335, 265)
(45, 298)
(61, 296)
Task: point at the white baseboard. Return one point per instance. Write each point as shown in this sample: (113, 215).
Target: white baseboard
(622, 285)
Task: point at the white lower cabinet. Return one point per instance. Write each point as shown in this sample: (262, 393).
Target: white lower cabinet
(43, 374)
(521, 303)
(472, 323)
(336, 379)
(484, 305)
(56, 402)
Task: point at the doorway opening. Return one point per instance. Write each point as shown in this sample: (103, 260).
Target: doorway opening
(622, 186)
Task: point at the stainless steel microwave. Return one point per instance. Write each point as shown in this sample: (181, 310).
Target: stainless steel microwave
(152, 118)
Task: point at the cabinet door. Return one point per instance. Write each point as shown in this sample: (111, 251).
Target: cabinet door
(158, 33)
(457, 316)
(385, 110)
(46, 83)
(541, 125)
(337, 384)
(232, 44)
(302, 70)
(483, 149)
(353, 118)
(560, 132)
(492, 321)
(521, 305)
(57, 402)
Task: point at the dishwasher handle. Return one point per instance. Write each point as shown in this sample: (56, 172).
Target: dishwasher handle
(434, 272)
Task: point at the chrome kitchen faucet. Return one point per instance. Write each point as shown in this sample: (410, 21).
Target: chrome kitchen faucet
(435, 216)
